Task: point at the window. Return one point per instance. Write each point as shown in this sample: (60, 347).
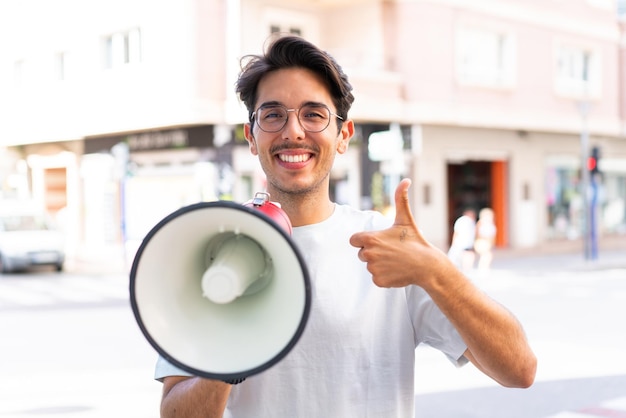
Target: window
(292, 30)
(485, 57)
(577, 71)
(564, 201)
(60, 66)
(602, 4)
(283, 21)
(19, 72)
(122, 48)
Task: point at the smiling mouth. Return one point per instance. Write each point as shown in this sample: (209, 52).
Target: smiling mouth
(297, 158)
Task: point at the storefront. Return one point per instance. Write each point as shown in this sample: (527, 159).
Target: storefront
(565, 197)
(131, 182)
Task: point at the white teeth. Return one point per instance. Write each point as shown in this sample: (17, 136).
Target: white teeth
(294, 158)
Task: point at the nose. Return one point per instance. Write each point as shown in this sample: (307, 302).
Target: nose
(293, 128)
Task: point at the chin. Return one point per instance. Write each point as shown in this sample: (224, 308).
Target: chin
(294, 187)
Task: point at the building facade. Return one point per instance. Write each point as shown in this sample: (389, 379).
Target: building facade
(121, 116)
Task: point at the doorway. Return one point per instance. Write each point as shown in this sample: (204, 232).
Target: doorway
(477, 185)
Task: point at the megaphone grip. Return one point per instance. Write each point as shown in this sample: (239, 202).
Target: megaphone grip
(234, 381)
(271, 209)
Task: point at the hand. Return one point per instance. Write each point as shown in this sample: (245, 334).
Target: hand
(398, 256)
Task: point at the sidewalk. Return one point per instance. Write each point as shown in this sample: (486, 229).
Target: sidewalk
(563, 255)
(106, 260)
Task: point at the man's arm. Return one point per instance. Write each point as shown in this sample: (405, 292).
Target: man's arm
(191, 397)
(496, 342)
(401, 256)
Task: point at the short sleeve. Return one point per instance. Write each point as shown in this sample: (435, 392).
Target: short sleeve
(433, 328)
(164, 369)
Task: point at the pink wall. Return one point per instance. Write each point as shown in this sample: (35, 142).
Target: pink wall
(425, 54)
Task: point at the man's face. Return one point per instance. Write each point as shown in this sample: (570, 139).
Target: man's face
(296, 161)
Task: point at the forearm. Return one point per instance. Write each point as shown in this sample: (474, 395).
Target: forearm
(494, 337)
(193, 397)
(496, 342)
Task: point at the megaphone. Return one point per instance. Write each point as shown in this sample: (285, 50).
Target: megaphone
(220, 290)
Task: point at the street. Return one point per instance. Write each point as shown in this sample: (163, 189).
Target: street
(574, 320)
(70, 347)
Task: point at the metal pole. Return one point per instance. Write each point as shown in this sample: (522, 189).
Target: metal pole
(593, 219)
(584, 149)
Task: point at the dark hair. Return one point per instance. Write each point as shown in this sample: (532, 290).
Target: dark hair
(293, 52)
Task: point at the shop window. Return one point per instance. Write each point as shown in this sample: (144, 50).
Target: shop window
(613, 202)
(564, 203)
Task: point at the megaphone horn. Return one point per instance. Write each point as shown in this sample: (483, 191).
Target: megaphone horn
(220, 290)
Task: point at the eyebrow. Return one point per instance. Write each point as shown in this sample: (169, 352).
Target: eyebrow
(270, 104)
(277, 103)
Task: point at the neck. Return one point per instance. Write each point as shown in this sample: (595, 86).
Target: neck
(306, 208)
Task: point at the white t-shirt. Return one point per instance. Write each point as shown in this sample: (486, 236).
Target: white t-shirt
(356, 355)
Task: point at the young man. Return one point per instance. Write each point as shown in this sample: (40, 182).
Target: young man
(378, 289)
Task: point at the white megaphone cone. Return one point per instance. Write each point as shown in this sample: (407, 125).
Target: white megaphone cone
(220, 290)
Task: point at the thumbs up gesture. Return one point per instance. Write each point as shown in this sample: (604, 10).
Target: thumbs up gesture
(400, 255)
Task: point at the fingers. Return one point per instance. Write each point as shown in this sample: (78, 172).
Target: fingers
(403, 208)
(356, 240)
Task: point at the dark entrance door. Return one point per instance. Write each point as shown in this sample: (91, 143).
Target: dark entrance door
(477, 185)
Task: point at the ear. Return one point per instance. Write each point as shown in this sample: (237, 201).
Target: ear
(247, 133)
(346, 134)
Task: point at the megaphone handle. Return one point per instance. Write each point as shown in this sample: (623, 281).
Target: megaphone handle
(234, 381)
(262, 203)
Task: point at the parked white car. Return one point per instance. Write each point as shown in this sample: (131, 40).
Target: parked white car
(28, 238)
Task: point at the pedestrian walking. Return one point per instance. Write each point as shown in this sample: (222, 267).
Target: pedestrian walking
(485, 238)
(461, 251)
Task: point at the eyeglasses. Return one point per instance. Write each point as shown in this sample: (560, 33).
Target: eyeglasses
(312, 117)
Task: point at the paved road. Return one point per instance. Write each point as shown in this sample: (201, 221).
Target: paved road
(70, 346)
(573, 311)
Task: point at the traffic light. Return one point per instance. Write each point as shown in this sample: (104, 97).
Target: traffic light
(593, 160)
